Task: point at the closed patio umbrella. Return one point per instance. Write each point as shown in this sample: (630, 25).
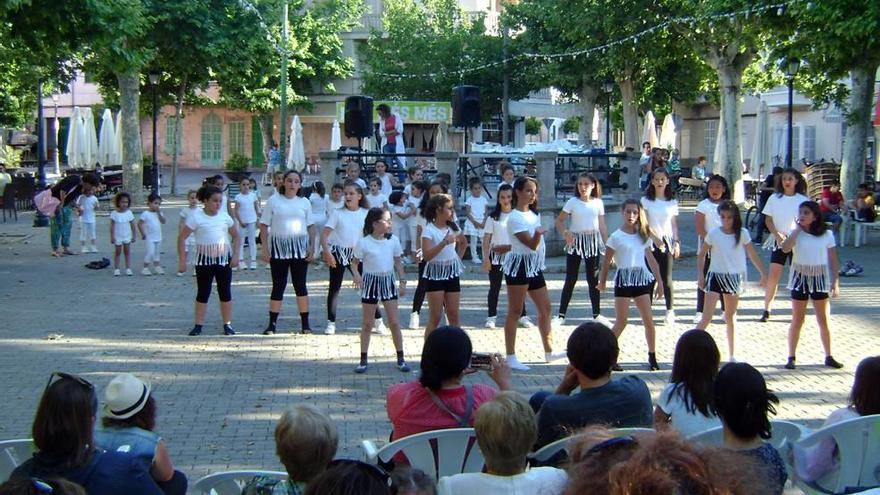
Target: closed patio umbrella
(442, 137)
(108, 154)
(649, 134)
(669, 132)
(335, 136)
(760, 159)
(74, 158)
(296, 158)
(118, 130)
(90, 149)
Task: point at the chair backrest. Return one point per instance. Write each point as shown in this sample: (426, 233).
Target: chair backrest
(858, 444)
(231, 482)
(782, 433)
(12, 454)
(550, 450)
(9, 193)
(438, 453)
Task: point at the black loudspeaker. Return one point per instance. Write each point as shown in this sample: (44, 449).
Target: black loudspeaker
(465, 106)
(358, 116)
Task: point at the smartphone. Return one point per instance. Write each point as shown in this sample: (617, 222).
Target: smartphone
(481, 361)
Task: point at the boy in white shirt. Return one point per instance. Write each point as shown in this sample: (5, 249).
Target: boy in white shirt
(150, 228)
(86, 205)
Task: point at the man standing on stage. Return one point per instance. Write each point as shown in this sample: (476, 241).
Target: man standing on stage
(391, 132)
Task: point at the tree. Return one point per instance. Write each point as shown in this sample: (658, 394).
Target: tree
(533, 126)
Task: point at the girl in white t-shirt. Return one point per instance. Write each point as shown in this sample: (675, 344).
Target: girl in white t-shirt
(496, 244)
(341, 233)
(320, 203)
(584, 241)
(150, 227)
(246, 212)
(374, 265)
(442, 248)
(706, 218)
(414, 198)
(336, 200)
(212, 228)
(122, 232)
(287, 235)
(475, 208)
(386, 179)
(726, 276)
(375, 199)
(780, 216)
(523, 268)
(86, 204)
(400, 213)
(685, 404)
(814, 275)
(661, 210)
(630, 249)
(192, 207)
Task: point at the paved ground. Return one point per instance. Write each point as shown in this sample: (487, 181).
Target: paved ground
(219, 396)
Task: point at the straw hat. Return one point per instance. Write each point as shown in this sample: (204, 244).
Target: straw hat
(125, 396)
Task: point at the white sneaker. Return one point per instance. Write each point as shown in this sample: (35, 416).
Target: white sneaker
(94, 249)
(477, 261)
(116, 272)
(490, 322)
(414, 321)
(128, 272)
(525, 322)
(514, 363)
(550, 357)
(194, 272)
(670, 318)
(330, 329)
(159, 270)
(379, 327)
(605, 321)
(235, 268)
(253, 265)
(180, 274)
(146, 272)
(698, 317)
(557, 321)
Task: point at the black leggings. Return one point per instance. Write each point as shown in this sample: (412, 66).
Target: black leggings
(419, 295)
(572, 267)
(496, 275)
(664, 260)
(205, 275)
(336, 276)
(298, 268)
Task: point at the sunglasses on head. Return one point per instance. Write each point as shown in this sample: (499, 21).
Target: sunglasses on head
(41, 486)
(613, 443)
(370, 469)
(58, 376)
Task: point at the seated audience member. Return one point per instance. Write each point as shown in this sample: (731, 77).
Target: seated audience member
(664, 463)
(592, 351)
(863, 204)
(127, 426)
(685, 404)
(832, 204)
(350, 477)
(64, 439)
(699, 170)
(743, 403)
(305, 441)
(864, 400)
(506, 430)
(439, 399)
(41, 486)
(410, 481)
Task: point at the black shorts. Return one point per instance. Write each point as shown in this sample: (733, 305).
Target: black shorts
(520, 278)
(376, 300)
(448, 285)
(633, 291)
(780, 257)
(714, 286)
(803, 295)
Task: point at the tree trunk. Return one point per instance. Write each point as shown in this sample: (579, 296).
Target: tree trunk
(852, 172)
(266, 120)
(132, 149)
(630, 114)
(730, 161)
(587, 95)
(175, 143)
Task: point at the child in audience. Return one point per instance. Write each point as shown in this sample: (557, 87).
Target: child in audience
(375, 261)
(350, 477)
(814, 275)
(413, 174)
(496, 245)
(150, 227)
(726, 276)
(86, 204)
(630, 248)
(475, 208)
(508, 174)
(442, 248)
(414, 199)
(411, 481)
(122, 232)
(246, 211)
(336, 200)
(353, 173)
(387, 180)
(320, 203)
(375, 199)
(401, 211)
(863, 204)
(685, 404)
(185, 212)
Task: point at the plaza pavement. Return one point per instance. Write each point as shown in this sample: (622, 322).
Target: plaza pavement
(219, 397)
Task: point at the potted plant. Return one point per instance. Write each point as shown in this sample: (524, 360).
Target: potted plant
(237, 167)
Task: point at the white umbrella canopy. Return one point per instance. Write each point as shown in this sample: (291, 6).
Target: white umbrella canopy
(75, 140)
(716, 167)
(335, 136)
(119, 134)
(442, 137)
(108, 153)
(669, 132)
(296, 158)
(90, 150)
(760, 159)
(649, 134)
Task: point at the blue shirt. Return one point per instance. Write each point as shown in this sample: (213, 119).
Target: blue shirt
(108, 473)
(131, 440)
(768, 457)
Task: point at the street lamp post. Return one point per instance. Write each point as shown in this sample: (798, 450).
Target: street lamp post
(154, 81)
(55, 127)
(791, 68)
(608, 87)
(40, 220)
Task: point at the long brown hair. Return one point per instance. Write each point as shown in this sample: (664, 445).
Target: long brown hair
(642, 225)
(864, 398)
(64, 424)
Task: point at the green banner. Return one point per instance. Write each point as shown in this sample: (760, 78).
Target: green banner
(412, 112)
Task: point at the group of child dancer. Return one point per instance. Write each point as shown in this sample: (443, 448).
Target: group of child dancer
(366, 235)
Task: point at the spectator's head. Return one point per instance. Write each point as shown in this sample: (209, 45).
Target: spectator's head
(90, 182)
(507, 172)
(443, 177)
(64, 423)
(694, 368)
(414, 172)
(353, 171)
(743, 402)
(592, 455)
(834, 185)
(350, 477)
(865, 396)
(506, 431)
(128, 402)
(592, 349)
(396, 198)
(411, 481)
(305, 441)
(701, 161)
(41, 486)
(381, 166)
(646, 147)
(445, 355)
(383, 110)
(319, 188)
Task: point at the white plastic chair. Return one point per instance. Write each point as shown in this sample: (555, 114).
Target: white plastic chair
(551, 449)
(12, 454)
(230, 482)
(438, 453)
(858, 447)
(783, 434)
(860, 231)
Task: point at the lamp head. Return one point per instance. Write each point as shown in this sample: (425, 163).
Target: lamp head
(608, 85)
(154, 77)
(792, 66)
